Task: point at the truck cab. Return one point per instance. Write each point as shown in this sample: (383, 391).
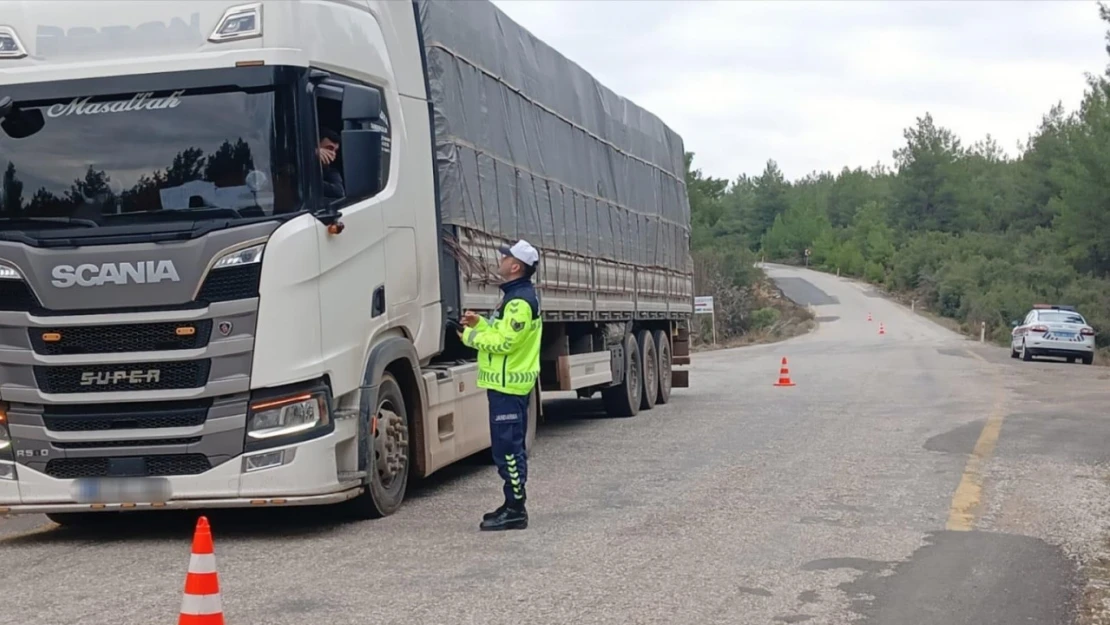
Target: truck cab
(187, 310)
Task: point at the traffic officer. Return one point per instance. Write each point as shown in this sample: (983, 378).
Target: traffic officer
(508, 347)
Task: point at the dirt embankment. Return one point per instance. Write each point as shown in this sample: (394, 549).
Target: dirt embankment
(750, 315)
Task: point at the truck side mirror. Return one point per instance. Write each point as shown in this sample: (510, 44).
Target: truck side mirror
(361, 104)
(362, 147)
(18, 123)
(362, 157)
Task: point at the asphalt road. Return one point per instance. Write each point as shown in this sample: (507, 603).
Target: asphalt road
(914, 477)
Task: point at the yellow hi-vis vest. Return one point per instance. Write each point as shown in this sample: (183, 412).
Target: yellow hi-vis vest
(508, 349)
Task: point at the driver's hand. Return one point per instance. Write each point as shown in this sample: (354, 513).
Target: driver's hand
(470, 319)
(326, 155)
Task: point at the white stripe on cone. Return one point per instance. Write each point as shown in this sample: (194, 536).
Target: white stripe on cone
(202, 563)
(201, 604)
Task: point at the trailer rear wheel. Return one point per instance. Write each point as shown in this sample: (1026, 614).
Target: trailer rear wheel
(666, 362)
(650, 367)
(388, 463)
(623, 400)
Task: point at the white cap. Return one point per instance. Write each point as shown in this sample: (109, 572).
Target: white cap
(522, 251)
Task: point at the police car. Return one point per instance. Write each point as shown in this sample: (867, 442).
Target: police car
(1058, 331)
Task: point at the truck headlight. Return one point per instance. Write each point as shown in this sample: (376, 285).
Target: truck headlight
(245, 256)
(7, 272)
(288, 416)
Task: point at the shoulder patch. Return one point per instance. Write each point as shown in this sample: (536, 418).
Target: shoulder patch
(516, 325)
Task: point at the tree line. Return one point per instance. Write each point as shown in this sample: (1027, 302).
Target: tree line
(969, 232)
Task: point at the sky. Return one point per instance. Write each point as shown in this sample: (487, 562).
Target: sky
(818, 86)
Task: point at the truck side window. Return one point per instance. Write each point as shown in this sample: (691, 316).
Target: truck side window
(369, 139)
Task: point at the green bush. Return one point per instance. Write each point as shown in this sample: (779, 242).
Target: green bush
(764, 318)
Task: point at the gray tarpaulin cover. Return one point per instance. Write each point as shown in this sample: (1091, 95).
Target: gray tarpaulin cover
(529, 145)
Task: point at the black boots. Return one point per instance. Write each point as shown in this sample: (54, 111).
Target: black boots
(510, 516)
(489, 515)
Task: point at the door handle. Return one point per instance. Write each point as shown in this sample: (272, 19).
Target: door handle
(377, 304)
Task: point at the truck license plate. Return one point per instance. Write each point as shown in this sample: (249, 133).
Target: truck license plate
(122, 490)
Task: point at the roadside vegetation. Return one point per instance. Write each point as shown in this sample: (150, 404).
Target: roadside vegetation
(969, 232)
(749, 308)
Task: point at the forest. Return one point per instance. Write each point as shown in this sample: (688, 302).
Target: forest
(969, 232)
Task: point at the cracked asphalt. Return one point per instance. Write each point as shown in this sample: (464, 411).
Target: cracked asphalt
(915, 477)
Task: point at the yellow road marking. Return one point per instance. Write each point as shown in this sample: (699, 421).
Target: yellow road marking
(968, 496)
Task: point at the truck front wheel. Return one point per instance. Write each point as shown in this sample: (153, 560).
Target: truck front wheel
(387, 465)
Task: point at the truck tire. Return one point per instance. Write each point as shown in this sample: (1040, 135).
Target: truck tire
(666, 364)
(623, 400)
(649, 365)
(388, 464)
(1088, 359)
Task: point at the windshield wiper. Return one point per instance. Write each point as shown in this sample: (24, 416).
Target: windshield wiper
(7, 223)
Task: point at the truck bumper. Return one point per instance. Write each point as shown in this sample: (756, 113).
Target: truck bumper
(307, 475)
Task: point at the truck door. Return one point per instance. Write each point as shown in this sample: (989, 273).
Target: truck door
(353, 152)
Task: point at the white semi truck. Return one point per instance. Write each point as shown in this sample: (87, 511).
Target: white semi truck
(197, 312)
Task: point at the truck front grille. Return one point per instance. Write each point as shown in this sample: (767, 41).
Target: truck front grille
(139, 337)
(16, 296)
(231, 283)
(137, 416)
(132, 466)
(146, 442)
(223, 285)
(142, 376)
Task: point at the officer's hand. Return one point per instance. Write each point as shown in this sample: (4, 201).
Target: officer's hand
(470, 319)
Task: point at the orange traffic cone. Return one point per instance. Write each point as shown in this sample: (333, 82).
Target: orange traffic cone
(784, 375)
(882, 330)
(201, 604)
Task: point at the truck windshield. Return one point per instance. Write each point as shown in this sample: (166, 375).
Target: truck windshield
(183, 154)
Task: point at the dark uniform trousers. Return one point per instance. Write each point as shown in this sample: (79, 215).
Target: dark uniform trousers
(508, 423)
